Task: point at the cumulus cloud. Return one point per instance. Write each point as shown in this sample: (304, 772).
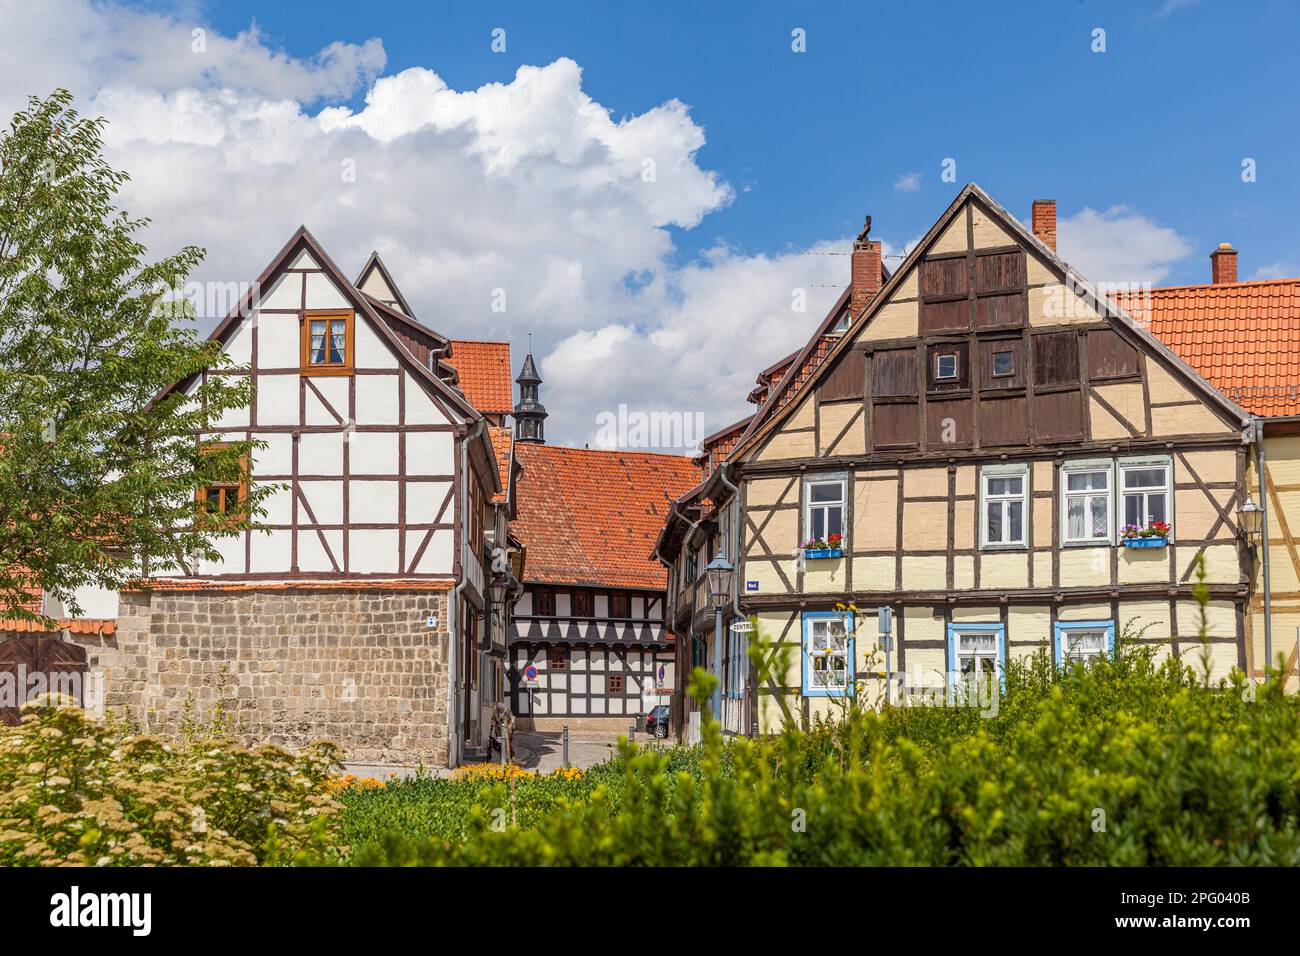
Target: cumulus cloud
(908, 182)
(527, 192)
(1119, 245)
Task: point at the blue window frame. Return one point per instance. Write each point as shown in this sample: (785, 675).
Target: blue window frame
(828, 653)
(1083, 640)
(977, 648)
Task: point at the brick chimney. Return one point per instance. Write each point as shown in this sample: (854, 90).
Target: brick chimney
(864, 275)
(1223, 264)
(1044, 222)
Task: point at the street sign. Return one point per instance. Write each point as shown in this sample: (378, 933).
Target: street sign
(741, 627)
(530, 675)
(751, 585)
(885, 616)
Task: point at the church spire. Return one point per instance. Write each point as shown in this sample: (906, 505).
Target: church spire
(529, 413)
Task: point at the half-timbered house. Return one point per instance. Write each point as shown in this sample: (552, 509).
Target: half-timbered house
(973, 442)
(588, 642)
(1244, 338)
(358, 608)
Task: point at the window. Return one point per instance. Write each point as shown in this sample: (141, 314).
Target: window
(557, 658)
(827, 654)
(946, 365)
(616, 683)
(1004, 363)
(1086, 505)
(544, 603)
(224, 497)
(977, 650)
(582, 604)
(692, 563)
(824, 499)
(1004, 491)
(1084, 640)
(620, 605)
(1145, 484)
(327, 343)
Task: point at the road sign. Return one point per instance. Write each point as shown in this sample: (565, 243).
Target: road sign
(741, 627)
(530, 675)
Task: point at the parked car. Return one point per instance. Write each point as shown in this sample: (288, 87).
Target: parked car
(656, 722)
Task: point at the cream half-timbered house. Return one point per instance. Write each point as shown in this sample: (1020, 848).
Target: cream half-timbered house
(981, 432)
(358, 607)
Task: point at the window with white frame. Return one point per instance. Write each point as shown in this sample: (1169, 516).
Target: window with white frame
(824, 506)
(827, 653)
(977, 652)
(946, 365)
(1084, 641)
(1086, 509)
(1004, 493)
(1147, 489)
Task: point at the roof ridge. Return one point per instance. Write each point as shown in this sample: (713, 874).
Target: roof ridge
(1206, 286)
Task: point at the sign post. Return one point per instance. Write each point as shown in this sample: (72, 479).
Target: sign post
(885, 620)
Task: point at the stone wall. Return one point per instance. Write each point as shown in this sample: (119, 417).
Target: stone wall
(358, 666)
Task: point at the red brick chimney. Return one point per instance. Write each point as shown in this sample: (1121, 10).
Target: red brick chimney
(1044, 222)
(864, 275)
(1223, 264)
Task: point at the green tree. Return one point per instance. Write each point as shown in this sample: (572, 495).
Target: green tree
(102, 396)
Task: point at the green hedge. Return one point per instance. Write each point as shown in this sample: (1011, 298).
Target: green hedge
(1123, 762)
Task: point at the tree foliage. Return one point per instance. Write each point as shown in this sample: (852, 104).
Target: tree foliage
(99, 456)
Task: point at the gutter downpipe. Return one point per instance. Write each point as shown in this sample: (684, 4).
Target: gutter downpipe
(1260, 464)
(690, 529)
(735, 583)
(454, 683)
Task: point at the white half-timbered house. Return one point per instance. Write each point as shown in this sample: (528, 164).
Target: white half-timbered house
(358, 607)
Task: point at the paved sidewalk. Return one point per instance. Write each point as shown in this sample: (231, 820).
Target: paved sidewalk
(543, 751)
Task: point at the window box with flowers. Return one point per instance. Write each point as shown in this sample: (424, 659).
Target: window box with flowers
(831, 546)
(1153, 535)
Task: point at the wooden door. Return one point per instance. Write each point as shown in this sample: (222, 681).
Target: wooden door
(62, 664)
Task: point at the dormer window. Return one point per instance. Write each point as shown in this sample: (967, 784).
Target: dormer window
(327, 340)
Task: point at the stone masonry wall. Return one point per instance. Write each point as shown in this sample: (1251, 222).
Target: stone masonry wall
(359, 667)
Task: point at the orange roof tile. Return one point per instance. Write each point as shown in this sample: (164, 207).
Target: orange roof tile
(502, 439)
(1243, 337)
(75, 625)
(591, 517)
(364, 584)
(484, 372)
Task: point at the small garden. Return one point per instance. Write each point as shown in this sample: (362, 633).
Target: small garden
(1128, 761)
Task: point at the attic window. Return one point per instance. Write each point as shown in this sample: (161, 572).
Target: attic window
(945, 365)
(1004, 363)
(327, 342)
(842, 324)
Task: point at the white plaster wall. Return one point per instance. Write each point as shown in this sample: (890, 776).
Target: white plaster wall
(437, 557)
(320, 453)
(373, 551)
(424, 498)
(377, 400)
(277, 457)
(240, 344)
(372, 352)
(420, 409)
(284, 293)
(271, 551)
(373, 502)
(278, 341)
(374, 453)
(322, 293)
(429, 453)
(326, 500)
(277, 399)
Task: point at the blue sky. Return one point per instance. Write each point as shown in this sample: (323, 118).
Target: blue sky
(1160, 122)
(517, 178)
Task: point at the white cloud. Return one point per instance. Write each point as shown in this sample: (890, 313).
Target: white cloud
(528, 186)
(908, 182)
(1276, 270)
(1119, 245)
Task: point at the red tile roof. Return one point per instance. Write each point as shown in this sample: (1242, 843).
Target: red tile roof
(1243, 337)
(502, 438)
(75, 625)
(484, 371)
(591, 517)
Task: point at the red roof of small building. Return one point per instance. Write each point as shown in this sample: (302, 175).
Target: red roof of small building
(590, 517)
(1243, 337)
(502, 439)
(484, 373)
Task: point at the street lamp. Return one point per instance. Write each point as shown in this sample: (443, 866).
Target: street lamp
(1250, 517)
(719, 572)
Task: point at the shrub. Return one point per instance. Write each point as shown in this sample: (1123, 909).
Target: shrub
(92, 793)
(1125, 762)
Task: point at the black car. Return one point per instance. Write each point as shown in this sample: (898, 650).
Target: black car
(656, 722)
